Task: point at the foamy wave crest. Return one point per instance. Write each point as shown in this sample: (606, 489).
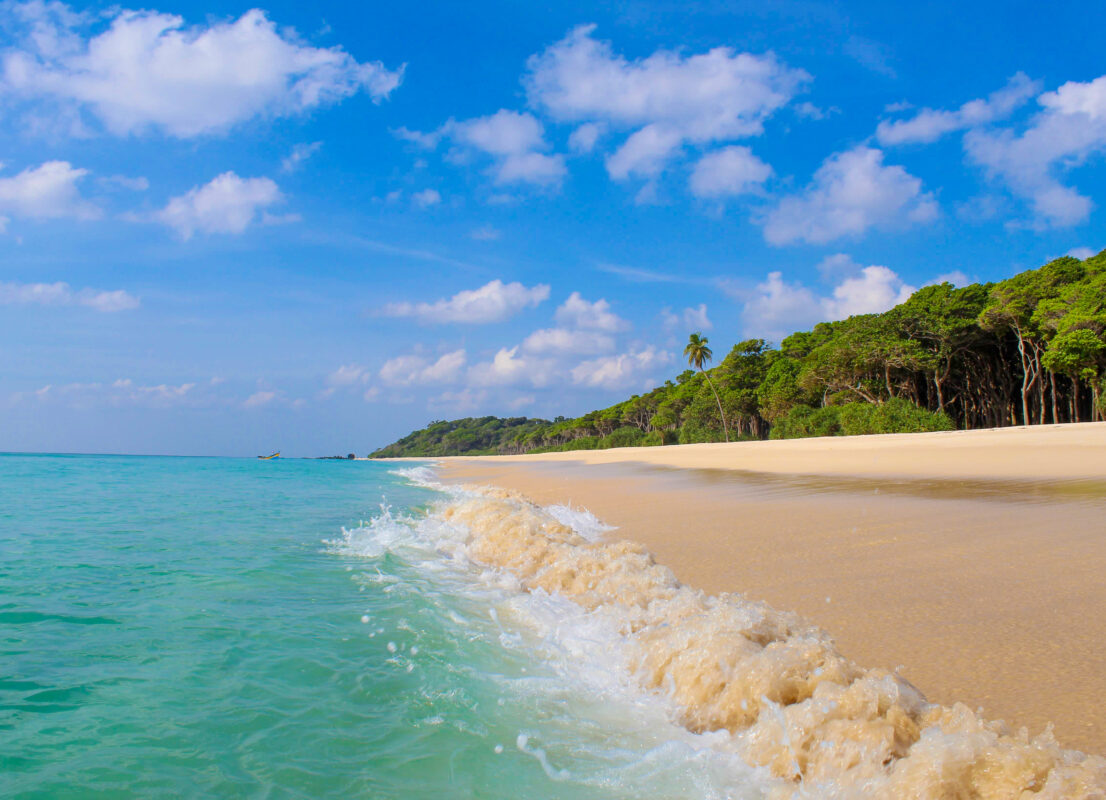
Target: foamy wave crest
(774, 684)
(420, 476)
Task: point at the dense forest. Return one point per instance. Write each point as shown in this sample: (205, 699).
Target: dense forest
(1029, 350)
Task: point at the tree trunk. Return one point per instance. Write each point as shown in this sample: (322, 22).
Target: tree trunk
(717, 399)
(1052, 387)
(1027, 383)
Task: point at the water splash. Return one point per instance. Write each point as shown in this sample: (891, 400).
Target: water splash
(789, 701)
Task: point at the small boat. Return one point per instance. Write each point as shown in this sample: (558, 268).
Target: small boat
(270, 458)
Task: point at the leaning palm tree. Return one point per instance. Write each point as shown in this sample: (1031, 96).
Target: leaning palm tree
(697, 352)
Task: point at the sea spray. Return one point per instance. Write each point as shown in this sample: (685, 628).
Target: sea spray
(791, 703)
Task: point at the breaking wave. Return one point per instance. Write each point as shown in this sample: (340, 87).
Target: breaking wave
(822, 725)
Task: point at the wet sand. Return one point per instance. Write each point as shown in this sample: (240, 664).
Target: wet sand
(974, 561)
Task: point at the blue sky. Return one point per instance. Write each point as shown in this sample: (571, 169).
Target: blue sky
(315, 227)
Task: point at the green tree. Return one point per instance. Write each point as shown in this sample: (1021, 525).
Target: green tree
(697, 353)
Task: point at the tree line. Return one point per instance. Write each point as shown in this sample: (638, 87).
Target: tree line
(1028, 350)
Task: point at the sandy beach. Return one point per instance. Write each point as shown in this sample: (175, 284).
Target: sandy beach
(972, 561)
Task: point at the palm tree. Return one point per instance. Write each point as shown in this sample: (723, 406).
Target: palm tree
(697, 352)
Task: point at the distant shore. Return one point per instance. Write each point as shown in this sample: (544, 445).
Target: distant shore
(973, 559)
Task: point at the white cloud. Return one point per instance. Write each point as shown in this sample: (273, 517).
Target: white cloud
(852, 191)
(645, 153)
(692, 319)
(514, 141)
(348, 375)
(666, 99)
(876, 289)
(620, 371)
(299, 154)
(563, 341)
(260, 398)
(583, 139)
(48, 191)
(1082, 253)
(415, 370)
(928, 125)
(121, 392)
(228, 204)
(777, 308)
(576, 312)
(426, 198)
(712, 95)
(62, 294)
(808, 110)
(149, 71)
(493, 302)
(1069, 129)
(731, 171)
(508, 368)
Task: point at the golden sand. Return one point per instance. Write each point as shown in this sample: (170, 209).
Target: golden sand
(975, 560)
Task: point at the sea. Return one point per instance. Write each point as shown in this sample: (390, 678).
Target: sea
(225, 628)
(220, 627)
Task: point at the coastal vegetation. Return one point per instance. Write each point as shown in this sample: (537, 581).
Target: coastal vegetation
(1028, 350)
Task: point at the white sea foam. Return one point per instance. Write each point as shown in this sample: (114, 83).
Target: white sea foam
(758, 700)
(583, 674)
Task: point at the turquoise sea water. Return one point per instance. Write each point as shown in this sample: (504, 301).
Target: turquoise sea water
(229, 628)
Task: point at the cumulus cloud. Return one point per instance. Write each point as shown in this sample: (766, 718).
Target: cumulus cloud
(929, 125)
(852, 191)
(228, 204)
(584, 138)
(48, 191)
(665, 99)
(620, 371)
(776, 308)
(415, 370)
(1069, 129)
(563, 341)
(1082, 253)
(508, 368)
(875, 289)
(576, 312)
(730, 171)
(691, 319)
(147, 70)
(62, 294)
(645, 153)
(515, 143)
(493, 302)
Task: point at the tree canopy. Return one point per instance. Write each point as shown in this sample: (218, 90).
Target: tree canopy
(1029, 350)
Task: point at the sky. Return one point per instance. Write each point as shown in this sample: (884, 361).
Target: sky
(314, 227)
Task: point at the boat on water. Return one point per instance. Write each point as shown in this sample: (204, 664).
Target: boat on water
(270, 458)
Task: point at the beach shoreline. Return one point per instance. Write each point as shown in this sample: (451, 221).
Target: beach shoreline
(972, 560)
